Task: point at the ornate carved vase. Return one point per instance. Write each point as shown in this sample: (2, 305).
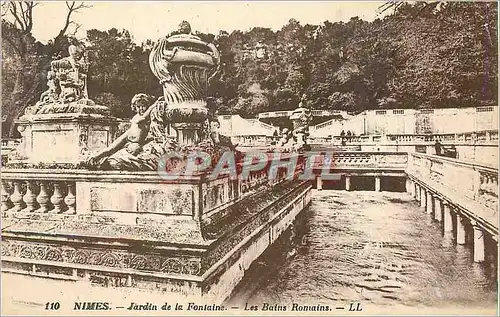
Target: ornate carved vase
(184, 65)
(301, 117)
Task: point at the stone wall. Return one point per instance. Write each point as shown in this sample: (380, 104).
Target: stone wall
(412, 121)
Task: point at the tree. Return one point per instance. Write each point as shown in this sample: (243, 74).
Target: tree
(25, 59)
(423, 54)
(119, 68)
(448, 54)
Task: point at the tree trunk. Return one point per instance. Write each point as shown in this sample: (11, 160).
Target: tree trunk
(22, 95)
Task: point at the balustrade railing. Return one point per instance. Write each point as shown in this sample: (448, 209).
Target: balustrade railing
(370, 160)
(6, 142)
(70, 191)
(220, 192)
(472, 181)
(55, 190)
(469, 138)
(316, 113)
(26, 195)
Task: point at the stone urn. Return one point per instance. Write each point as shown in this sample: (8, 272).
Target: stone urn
(301, 118)
(184, 65)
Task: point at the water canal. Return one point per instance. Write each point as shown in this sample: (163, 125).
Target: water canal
(377, 248)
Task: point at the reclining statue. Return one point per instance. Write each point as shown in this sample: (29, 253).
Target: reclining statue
(141, 146)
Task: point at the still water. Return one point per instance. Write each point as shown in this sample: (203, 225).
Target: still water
(380, 249)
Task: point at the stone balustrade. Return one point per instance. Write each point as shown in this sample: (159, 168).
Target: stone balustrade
(139, 228)
(73, 191)
(219, 193)
(480, 146)
(316, 113)
(365, 160)
(76, 191)
(471, 185)
(253, 140)
(479, 138)
(469, 138)
(38, 196)
(6, 142)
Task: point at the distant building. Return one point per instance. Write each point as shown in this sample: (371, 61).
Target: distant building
(234, 125)
(412, 121)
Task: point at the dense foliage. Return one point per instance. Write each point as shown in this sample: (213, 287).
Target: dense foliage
(422, 55)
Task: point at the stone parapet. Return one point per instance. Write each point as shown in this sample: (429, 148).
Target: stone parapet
(471, 186)
(192, 237)
(62, 137)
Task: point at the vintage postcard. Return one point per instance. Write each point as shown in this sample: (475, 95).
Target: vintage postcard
(259, 158)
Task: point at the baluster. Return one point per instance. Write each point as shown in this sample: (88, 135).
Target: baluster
(486, 183)
(5, 197)
(70, 199)
(17, 197)
(491, 184)
(30, 197)
(43, 198)
(476, 184)
(57, 199)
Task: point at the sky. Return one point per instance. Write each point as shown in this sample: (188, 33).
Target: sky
(155, 19)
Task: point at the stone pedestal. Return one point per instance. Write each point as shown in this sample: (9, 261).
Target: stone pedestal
(478, 243)
(423, 197)
(377, 183)
(63, 138)
(430, 203)
(348, 183)
(460, 230)
(448, 221)
(319, 183)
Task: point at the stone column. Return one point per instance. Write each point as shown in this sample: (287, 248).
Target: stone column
(417, 191)
(348, 183)
(460, 229)
(448, 221)
(438, 209)
(478, 242)
(377, 183)
(423, 197)
(409, 187)
(319, 183)
(430, 203)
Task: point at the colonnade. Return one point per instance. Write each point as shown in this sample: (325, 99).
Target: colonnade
(319, 183)
(452, 217)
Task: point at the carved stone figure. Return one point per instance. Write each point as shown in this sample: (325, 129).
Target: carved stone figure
(286, 137)
(71, 73)
(220, 139)
(67, 92)
(141, 146)
(184, 65)
(52, 94)
(301, 118)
